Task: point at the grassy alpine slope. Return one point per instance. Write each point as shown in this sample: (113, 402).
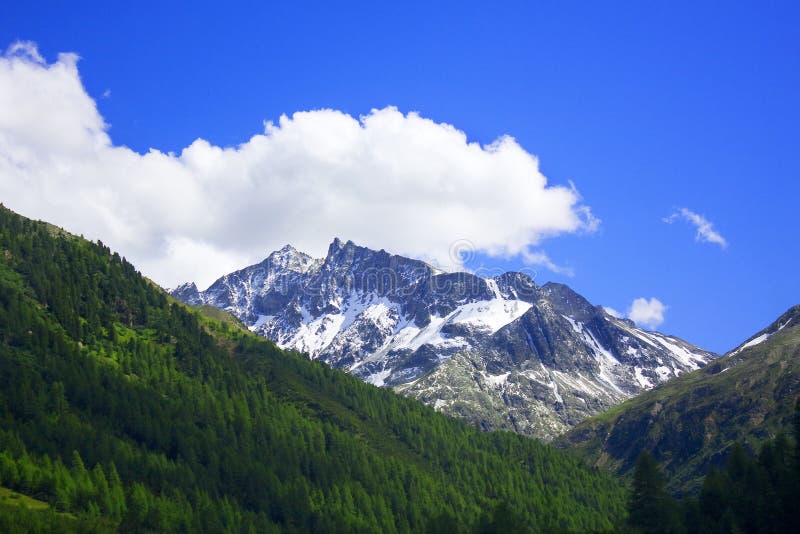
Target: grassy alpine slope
(123, 410)
(690, 423)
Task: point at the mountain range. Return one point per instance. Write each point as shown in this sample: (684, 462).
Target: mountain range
(501, 352)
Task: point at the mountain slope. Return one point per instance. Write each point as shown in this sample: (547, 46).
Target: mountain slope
(135, 413)
(501, 352)
(691, 422)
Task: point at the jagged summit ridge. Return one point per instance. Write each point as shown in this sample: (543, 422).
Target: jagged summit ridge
(187, 293)
(501, 350)
(292, 259)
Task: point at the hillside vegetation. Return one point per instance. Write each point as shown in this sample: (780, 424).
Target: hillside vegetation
(123, 410)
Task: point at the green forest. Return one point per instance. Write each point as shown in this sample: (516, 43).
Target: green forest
(122, 410)
(750, 493)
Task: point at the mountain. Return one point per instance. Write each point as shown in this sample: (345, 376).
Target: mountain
(690, 423)
(124, 410)
(501, 351)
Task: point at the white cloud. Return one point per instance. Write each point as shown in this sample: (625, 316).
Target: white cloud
(705, 228)
(25, 49)
(539, 257)
(612, 312)
(385, 180)
(647, 313)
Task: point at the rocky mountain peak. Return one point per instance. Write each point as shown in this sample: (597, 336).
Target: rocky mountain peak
(292, 259)
(187, 293)
(566, 301)
(336, 246)
(500, 351)
(347, 254)
(516, 285)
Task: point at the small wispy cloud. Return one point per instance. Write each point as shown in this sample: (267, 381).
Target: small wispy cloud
(26, 50)
(647, 313)
(705, 228)
(539, 257)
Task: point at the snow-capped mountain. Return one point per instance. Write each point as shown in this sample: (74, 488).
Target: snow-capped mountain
(501, 352)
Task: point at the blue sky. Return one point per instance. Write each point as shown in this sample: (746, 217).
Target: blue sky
(647, 107)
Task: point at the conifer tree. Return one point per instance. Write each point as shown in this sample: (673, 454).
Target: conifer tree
(651, 509)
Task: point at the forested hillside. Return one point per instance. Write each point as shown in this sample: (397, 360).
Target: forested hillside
(122, 410)
(690, 424)
(751, 494)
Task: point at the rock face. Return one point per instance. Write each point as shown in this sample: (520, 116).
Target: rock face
(501, 352)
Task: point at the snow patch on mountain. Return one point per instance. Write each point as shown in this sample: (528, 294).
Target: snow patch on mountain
(260, 321)
(496, 380)
(490, 315)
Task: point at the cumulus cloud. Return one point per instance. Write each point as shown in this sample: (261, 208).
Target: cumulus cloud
(386, 180)
(705, 228)
(647, 313)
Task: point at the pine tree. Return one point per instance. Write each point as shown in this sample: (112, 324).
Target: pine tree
(651, 509)
(797, 443)
(714, 499)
